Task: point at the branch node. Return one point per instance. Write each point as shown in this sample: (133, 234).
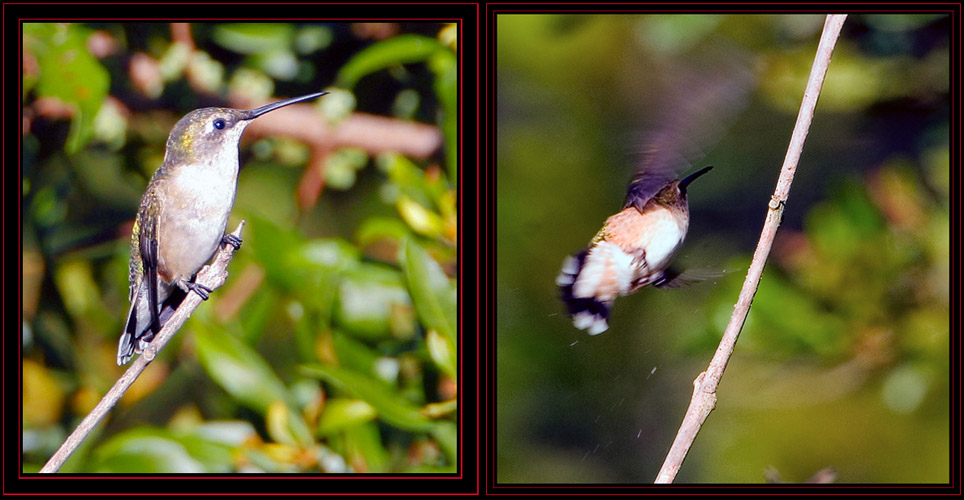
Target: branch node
(776, 203)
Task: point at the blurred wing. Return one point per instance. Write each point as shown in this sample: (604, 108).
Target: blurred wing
(673, 278)
(694, 109)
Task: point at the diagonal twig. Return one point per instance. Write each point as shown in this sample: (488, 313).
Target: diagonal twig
(704, 387)
(212, 276)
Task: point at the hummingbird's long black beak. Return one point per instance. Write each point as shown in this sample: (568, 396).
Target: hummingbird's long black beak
(254, 113)
(692, 177)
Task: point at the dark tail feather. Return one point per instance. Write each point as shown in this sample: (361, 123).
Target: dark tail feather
(125, 348)
(135, 336)
(587, 313)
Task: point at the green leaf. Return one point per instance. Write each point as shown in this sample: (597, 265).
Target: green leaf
(422, 220)
(353, 353)
(254, 38)
(366, 297)
(410, 180)
(286, 426)
(375, 228)
(341, 167)
(391, 407)
(434, 297)
(447, 435)
(312, 38)
(342, 413)
(147, 450)
(69, 73)
(326, 254)
(398, 50)
(443, 353)
(272, 245)
(365, 442)
(238, 369)
(445, 67)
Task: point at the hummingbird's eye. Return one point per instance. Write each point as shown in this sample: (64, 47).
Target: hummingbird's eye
(219, 123)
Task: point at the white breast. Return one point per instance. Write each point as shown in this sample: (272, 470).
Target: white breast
(662, 240)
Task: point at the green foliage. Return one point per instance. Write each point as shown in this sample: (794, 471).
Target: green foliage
(398, 50)
(333, 346)
(435, 300)
(238, 369)
(842, 361)
(389, 406)
(67, 71)
(408, 49)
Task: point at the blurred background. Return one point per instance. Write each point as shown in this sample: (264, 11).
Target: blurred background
(842, 365)
(333, 345)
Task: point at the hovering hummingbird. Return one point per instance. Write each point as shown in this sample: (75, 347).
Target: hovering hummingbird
(183, 216)
(633, 249)
(636, 246)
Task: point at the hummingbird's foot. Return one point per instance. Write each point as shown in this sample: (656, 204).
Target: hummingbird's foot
(143, 342)
(201, 290)
(230, 239)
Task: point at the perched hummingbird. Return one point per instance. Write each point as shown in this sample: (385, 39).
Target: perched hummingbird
(633, 249)
(183, 216)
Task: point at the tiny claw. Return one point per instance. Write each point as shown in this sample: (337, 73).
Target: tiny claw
(230, 239)
(201, 290)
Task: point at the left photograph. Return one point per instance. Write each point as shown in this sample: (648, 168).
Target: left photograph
(239, 248)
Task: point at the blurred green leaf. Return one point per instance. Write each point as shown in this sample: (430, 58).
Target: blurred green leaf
(838, 228)
(376, 228)
(272, 245)
(391, 407)
(447, 435)
(312, 38)
(365, 442)
(905, 387)
(174, 61)
(254, 38)
(69, 73)
(420, 219)
(238, 369)
(146, 450)
(341, 167)
(326, 254)
(443, 353)
(675, 33)
(353, 354)
(286, 426)
(433, 295)
(445, 67)
(365, 299)
(341, 413)
(338, 105)
(281, 64)
(783, 321)
(410, 180)
(401, 49)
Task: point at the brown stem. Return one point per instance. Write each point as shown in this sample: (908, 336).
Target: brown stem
(211, 276)
(704, 387)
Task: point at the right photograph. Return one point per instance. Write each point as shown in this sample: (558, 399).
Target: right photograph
(723, 249)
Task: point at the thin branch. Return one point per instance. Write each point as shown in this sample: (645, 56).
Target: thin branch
(212, 276)
(705, 385)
